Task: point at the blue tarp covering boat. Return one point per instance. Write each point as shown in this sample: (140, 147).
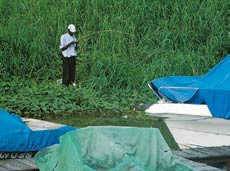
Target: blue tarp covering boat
(212, 89)
(16, 136)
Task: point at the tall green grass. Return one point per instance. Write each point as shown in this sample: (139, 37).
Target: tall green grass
(123, 44)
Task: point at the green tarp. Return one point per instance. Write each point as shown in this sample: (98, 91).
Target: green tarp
(110, 149)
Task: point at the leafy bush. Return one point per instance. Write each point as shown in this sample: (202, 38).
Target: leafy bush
(29, 98)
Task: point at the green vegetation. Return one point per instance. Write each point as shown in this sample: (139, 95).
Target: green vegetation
(29, 98)
(123, 45)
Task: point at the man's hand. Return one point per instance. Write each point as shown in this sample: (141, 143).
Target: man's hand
(68, 45)
(72, 43)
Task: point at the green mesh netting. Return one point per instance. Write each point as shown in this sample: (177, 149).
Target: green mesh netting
(110, 149)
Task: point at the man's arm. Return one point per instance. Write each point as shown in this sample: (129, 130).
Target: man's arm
(68, 45)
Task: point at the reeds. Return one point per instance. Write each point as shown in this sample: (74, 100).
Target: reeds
(123, 44)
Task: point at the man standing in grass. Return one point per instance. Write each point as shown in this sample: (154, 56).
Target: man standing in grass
(68, 46)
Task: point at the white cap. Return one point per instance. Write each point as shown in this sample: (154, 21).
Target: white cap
(72, 28)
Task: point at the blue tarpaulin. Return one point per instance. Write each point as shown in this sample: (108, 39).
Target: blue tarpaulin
(16, 136)
(212, 89)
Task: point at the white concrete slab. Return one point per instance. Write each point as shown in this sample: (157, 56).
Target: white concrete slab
(194, 130)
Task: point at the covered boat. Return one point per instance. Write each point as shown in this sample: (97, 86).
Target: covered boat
(212, 89)
(16, 136)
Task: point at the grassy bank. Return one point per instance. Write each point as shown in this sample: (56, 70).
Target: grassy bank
(123, 45)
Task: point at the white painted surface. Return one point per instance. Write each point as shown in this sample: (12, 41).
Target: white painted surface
(36, 124)
(177, 108)
(193, 126)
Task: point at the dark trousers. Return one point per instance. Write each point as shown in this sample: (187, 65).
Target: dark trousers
(69, 66)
